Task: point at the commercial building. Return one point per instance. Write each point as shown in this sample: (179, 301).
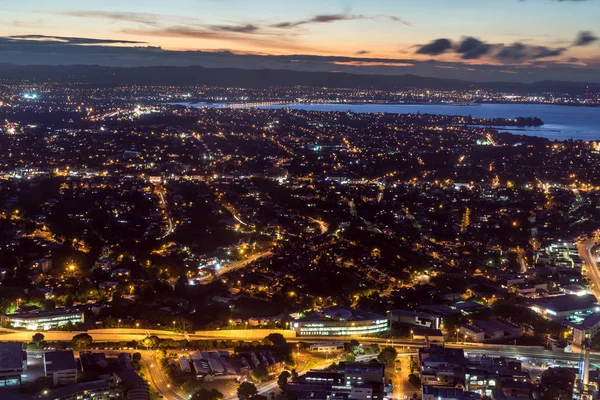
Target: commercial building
(350, 381)
(95, 390)
(419, 319)
(438, 393)
(340, 321)
(13, 361)
(43, 320)
(61, 367)
(480, 331)
(566, 306)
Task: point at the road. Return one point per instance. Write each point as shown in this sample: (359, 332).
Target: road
(158, 378)
(163, 206)
(585, 252)
(242, 263)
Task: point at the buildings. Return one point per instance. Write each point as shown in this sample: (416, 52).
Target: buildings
(420, 319)
(95, 390)
(340, 321)
(480, 331)
(43, 320)
(61, 367)
(437, 393)
(565, 307)
(13, 361)
(356, 381)
(446, 373)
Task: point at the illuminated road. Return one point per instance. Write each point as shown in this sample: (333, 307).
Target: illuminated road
(242, 263)
(163, 206)
(158, 378)
(585, 251)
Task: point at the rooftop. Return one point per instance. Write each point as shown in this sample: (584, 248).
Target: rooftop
(59, 360)
(340, 314)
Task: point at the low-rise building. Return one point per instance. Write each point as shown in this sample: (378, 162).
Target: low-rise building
(419, 319)
(95, 390)
(13, 361)
(61, 367)
(340, 321)
(43, 320)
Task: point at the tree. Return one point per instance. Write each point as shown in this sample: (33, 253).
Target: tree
(282, 380)
(260, 373)
(37, 339)
(137, 357)
(82, 341)
(206, 394)
(151, 342)
(414, 381)
(387, 356)
(246, 391)
(350, 357)
(294, 374)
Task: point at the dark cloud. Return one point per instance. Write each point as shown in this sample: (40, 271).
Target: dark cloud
(584, 38)
(51, 52)
(471, 48)
(319, 19)
(523, 52)
(398, 19)
(248, 28)
(362, 52)
(68, 40)
(435, 47)
(474, 48)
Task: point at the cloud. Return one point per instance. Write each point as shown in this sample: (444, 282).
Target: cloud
(98, 52)
(248, 28)
(319, 19)
(69, 40)
(584, 38)
(435, 47)
(471, 48)
(142, 18)
(362, 52)
(522, 52)
(245, 36)
(474, 48)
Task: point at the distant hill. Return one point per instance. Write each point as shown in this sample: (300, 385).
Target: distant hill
(196, 75)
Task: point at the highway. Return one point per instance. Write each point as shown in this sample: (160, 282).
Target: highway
(586, 254)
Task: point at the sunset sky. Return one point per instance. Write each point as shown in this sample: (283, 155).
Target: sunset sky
(507, 39)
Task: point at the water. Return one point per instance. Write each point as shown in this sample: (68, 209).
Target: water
(560, 122)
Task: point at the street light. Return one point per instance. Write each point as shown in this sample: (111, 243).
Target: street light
(118, 324)
(457, 330)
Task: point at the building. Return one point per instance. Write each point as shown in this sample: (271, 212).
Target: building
(95, 390)
(327, 347)
(480, 331)
(431, 335)
(61, 367)
(43, 320)
(13, 361)
(137, 388)
(419, 319)
(340, 321)
(351, 381)
(584, 328)
(439, 393)
(565, 307)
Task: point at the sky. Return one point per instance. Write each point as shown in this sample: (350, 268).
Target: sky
(513, 40)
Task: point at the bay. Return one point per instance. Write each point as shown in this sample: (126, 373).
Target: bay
(560, 122)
